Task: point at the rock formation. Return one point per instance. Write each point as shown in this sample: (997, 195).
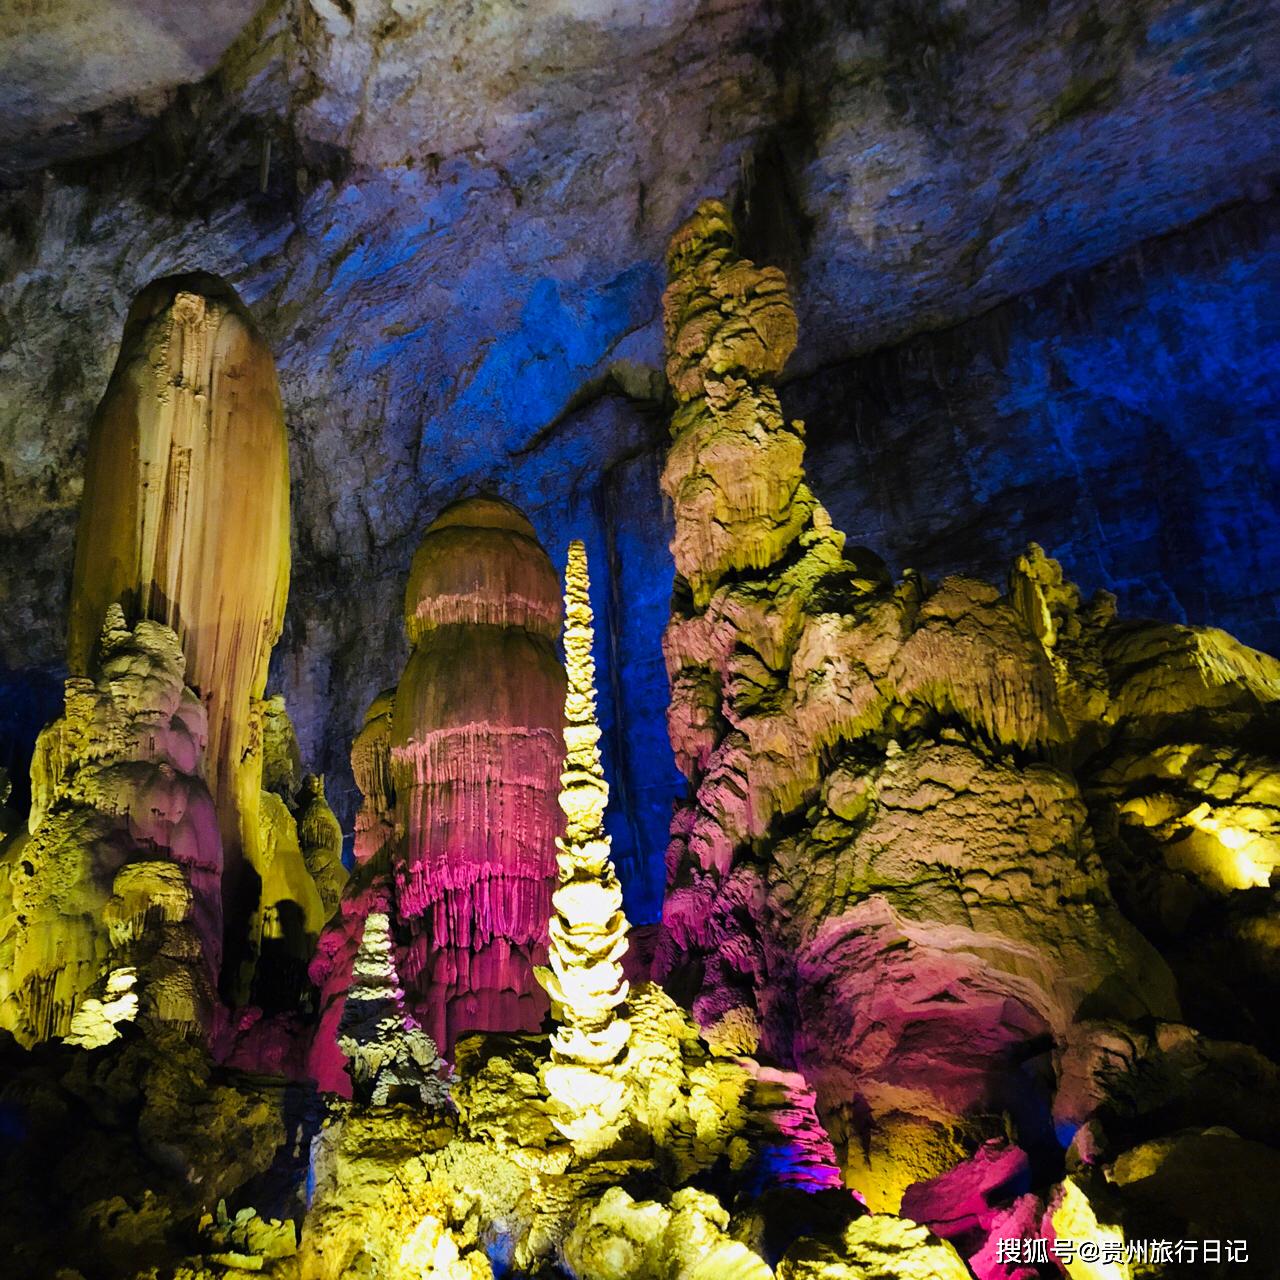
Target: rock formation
(387, 1056)
(120, 875)
(475, 757)
(908, 802)
(588, 932)
(458, 769)
(185, 520)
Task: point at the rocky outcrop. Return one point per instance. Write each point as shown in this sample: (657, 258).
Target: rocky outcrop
(894, 870)
(120, 1152)
(401, 1186)
(120, 876)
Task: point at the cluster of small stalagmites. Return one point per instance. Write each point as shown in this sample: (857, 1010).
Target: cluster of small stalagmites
(908, 802)
(298, 861)
(408, 1187)
(588, 932)
(370, 886)
(120, 873)
(319, 832)
(388, 1057)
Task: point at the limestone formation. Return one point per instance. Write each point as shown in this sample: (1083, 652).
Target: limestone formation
(475, 758)
(496, 1173)
(120, 873)
(321, 839)
(387, 1056)
(874, 1246)
(458, 767)
(588, 932)
(185, 521)
(616, 1238)
(908, 803)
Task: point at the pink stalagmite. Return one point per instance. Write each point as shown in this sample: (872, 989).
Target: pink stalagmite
(476, 752)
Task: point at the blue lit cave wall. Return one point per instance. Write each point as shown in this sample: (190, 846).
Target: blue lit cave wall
(1128, 419)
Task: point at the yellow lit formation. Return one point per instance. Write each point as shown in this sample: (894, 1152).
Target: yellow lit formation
(588, 932)
(1074, 1219)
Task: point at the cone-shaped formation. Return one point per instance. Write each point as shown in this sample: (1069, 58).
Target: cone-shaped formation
(185, 520)
(475, 756)
(389, 1058)
(588, 931)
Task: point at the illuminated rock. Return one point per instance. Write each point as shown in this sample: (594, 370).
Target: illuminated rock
(371, 765)
(618, 1238)
(1074, 1218)
(878, 1246)
(475, 758)
(121, 869)
(588, 932)
(320, 836)
(881, 871)
(388, 1058)
(185, 520)
(95, 1021)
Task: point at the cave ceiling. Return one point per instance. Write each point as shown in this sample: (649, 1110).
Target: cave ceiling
(448, 221)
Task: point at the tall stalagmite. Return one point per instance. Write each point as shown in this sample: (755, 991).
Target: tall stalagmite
(185, 520)
(879, 875)
(476, 751)
(588, 933)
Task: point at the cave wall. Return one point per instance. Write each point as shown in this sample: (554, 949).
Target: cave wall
(449, 236)
(1125, 418)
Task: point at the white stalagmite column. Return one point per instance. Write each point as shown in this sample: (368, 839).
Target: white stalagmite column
(588, 931)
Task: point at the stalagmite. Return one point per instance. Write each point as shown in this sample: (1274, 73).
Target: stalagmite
(869, 877)
(389, 1058)
(588, 933)
(475, 757)
(185, 520)
(120, 873)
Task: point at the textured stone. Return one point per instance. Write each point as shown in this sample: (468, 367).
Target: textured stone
(185, 519)
(587, 935)
(388, 1058)
(476, 750)
(122, 866)
(930, 910)
(876, 1247)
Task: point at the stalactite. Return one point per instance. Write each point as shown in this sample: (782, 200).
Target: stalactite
(185, 520)
(588, 932)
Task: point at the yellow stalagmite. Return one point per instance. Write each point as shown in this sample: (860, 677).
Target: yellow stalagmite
(185, 520)
(588, 932)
